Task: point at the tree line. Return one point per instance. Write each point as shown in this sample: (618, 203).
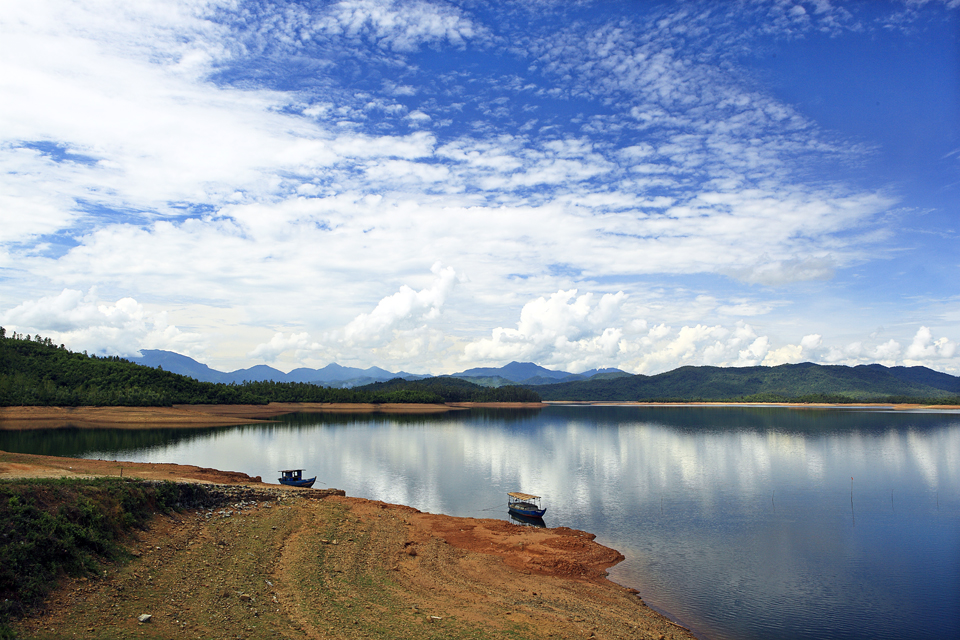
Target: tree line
(36, 372)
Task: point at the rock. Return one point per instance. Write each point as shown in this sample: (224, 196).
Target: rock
(245, 597)
(144, 617)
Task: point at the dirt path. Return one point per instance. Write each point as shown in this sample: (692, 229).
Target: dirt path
(286, 563)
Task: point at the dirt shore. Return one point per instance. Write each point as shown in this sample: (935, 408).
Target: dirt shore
(302, 563)
(194, 416)
(205, 415)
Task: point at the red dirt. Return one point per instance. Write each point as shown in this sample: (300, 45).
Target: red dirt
(304, 563)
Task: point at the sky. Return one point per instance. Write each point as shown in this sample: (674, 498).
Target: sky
(429, 186)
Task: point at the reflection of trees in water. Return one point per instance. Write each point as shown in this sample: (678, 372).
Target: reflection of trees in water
(498, 416)
(73, 441)
(757, 419)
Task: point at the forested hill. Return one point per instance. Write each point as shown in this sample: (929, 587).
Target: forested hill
(805, 382)
(34, 371)
(455, 390)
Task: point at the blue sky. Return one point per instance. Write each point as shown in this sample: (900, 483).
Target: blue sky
(432, 186)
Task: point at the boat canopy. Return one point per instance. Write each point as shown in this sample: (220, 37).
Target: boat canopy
(522, 496)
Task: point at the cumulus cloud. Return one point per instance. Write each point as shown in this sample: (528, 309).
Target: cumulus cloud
(794, 353)
(83, 322)
(218, 154)
(280, 342)
(403, 310)
(566, 329)
(924, 347)
(888, 352)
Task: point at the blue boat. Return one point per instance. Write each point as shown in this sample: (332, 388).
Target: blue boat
(294, 478)
(524, 504)
(527, 521)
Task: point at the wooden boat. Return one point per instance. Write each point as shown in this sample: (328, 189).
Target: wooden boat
(524, 504)
(527, 521)
(294, 478)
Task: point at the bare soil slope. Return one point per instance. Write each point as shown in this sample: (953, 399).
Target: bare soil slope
(287, 563)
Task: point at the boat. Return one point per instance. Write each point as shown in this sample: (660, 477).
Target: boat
(294, 478)
(524, 504)
(527, 521)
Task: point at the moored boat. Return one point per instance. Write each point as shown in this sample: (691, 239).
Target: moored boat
(294, 478)
(525, 504)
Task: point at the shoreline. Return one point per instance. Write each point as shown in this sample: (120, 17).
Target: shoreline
(785, 405)
(488, 575)
(209, 415)
(226, 415)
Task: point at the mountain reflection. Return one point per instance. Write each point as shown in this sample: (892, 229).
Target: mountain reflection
(742, 522)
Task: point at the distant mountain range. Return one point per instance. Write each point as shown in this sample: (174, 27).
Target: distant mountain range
(806, 381)
(335, 375)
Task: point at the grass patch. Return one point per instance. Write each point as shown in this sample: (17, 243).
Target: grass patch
(51, 528)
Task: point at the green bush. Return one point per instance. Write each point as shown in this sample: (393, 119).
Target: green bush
(55, 528)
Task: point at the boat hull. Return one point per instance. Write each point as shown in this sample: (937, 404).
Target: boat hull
(527, 521)
(526, 510)
(306, 483)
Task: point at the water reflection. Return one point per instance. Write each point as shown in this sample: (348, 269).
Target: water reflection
(741, 522)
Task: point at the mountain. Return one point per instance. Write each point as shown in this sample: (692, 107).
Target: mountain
(176, 363)
(335, 375)
(34, 372)
(332, 375)
(790, 381)
(928, 377)
(527, 373)
(514, 372)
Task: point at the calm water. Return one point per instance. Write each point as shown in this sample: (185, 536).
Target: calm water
(738, 522)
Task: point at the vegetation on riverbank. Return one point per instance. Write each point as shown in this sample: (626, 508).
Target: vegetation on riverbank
(804, 383)
(35, 372)
(58, 528)
(453, 390)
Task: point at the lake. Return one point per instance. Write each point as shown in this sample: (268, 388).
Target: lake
(737, 522)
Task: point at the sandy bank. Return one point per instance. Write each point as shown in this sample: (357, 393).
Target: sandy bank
(303, 563)
(201, 415)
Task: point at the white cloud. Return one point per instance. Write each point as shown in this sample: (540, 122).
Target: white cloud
(794, 353)
(83, 322)
(404, 309)
(888, 352)
(924, 347)
(565, 329)
(149, 154)
(279, 343)
(401, 26)
(787, 354)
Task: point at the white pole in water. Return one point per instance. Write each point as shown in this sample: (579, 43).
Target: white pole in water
(852, 514)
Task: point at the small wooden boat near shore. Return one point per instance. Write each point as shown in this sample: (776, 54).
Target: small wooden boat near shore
(294, 478)
(525, 504)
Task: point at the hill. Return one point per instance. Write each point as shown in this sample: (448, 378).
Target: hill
(336, 375)
(332, 375)
(805, 382)
(455, 390)
(35, 372)
(529, 374)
